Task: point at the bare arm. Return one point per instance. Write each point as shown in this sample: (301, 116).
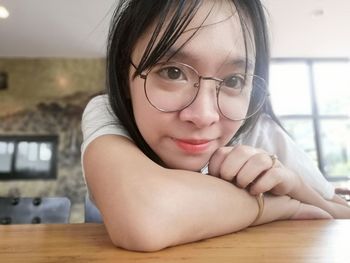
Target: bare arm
(146, 207)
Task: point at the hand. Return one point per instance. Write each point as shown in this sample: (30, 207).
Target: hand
(252, 169)
(306, 212)
(341, 198)
(286, 208)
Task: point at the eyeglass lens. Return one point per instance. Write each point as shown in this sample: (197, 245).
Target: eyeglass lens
(171, 87)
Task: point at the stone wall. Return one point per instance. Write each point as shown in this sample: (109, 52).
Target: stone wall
(31, 81)
(44, 97)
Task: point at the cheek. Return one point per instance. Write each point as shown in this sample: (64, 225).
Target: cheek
(230, 128)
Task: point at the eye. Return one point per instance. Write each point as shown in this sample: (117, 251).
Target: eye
(172, 73)
(234, 82)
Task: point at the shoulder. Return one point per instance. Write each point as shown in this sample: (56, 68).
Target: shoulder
(99, 103)
(97, 114)
(98, 119)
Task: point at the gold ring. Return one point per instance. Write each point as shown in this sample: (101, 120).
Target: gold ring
(273, 159)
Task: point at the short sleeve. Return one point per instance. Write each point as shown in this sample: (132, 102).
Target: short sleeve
(97, 120)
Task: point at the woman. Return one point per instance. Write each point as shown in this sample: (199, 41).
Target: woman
(186, 82)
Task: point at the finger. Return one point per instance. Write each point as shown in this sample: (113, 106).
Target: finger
(267, 181)
(235, 161)
(217, 159)
(253, 168)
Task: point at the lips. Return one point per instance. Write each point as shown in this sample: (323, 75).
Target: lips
(193, 146)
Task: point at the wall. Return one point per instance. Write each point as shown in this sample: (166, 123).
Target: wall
(48, 96)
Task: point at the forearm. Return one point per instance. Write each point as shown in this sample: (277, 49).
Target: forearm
(184, 207)
(205, 206)
(146, 207)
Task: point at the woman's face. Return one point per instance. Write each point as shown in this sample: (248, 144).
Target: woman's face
(188, 138)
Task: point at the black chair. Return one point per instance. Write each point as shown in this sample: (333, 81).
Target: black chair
(92, 214)
(27, 210)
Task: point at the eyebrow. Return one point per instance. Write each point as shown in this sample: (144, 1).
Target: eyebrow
(237, 62)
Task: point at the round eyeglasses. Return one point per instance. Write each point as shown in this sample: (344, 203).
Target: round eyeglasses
(173, 86)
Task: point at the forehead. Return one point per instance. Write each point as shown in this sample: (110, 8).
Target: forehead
(216, 27)
(211, 13)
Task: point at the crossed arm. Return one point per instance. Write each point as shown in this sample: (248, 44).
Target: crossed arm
(252, 169)
(146, 207)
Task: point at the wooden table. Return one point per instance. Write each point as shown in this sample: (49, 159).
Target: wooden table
(290, 241)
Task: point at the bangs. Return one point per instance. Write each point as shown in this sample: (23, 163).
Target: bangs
(168, 27)
(174, 21)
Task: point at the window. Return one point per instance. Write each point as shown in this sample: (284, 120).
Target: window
(312, 99)
(28, 157)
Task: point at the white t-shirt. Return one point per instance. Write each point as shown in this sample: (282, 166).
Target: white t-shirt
(98, 120)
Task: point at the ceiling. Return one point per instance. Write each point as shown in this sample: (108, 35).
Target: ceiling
(78, 28)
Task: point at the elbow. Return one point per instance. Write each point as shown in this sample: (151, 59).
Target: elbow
(141, 237)
(139, 243)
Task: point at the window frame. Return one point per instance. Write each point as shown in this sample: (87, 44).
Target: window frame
(315, 116)
(13, 174)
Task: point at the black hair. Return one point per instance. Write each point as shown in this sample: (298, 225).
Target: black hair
(130, 21)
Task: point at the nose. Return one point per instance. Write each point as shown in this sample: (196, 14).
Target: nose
(203, 111)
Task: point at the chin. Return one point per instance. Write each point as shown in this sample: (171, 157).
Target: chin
(188, 165)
